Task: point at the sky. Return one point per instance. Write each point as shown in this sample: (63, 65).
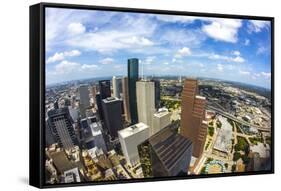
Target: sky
(84, 44)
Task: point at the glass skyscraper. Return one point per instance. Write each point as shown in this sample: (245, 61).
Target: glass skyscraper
(133, 76)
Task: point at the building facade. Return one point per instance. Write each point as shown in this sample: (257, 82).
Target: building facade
(130, 138)
(105, 90)
(157, 93)
(193, 124)
(84, 95)
(133, 76)
(112, 112)
(117, 86)
(145, 102)
(60, 122)
(125, 97)
(160, 120)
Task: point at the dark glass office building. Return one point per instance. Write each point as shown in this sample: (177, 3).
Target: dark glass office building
(112, 112)
(166, 153)
(60, 124)
(133, 76)
(105, 90)
(98, 101)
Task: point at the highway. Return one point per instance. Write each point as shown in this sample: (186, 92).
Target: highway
(223, 113)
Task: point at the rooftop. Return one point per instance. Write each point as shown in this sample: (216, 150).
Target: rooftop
(110, 99)
(134, 129)
(200, 97)
(161, 112)
(169, 146)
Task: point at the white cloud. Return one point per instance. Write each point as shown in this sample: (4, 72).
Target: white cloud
(262, 50)
(149, 60)
(59, 56)
(56, 57)
(137, 40)
(185, 51)
(76, 28)
(182, 37)
(220, 67)
(223, 29)
(257, 26)
(236, 58)
(244, 72)
(66, 67)
(266, 74)
(106, 61)
(129, 33)
(179, 18)
(88, 66)
(247, 42)
(236, 53)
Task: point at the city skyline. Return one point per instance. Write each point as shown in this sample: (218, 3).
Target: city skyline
(78, 46)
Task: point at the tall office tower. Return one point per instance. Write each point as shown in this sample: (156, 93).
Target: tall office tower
(166, 153)
(193, 124)
(133, 76)
(84, 95)
(73, 102)
(60, 123)
(105, 90)
(99, 106)
(146, 102)
(125, 97)
(160, 120)
(112, 112)
(157, 93)
(49, 137)
(117, 86)
(130, 138)
(84, 99)
(94, 91)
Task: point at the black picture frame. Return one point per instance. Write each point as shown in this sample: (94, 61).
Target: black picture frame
(37, 91)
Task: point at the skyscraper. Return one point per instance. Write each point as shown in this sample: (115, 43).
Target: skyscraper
(99, 106)
(157, 93)
(133, 75)
(105, 91)
(94, 91)
(49, 137)
(146, 102)
(60, 122)
(117, 86)
(130, 138)
(166, 153)
(84, 99)
(125, 97)
(160, 120)
(84, 95)
(193, 124)
(112, 111)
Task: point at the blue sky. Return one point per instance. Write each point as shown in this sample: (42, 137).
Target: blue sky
(85, 43)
